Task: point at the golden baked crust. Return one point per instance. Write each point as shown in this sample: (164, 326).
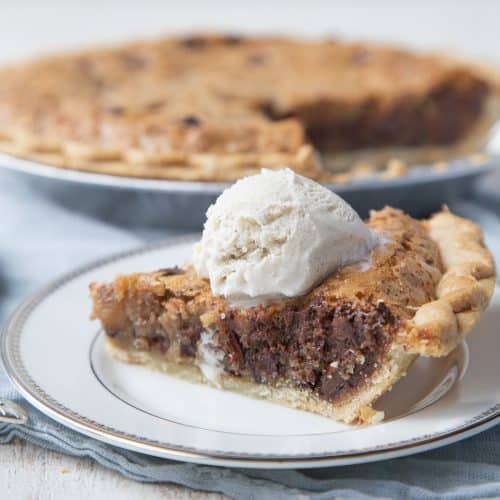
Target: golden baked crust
(462, 293)
(421, 292)
(215, 108)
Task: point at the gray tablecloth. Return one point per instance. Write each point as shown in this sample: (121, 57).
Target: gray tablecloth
(38, 240)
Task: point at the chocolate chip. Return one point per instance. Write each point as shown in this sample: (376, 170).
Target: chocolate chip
(160, 342)
(90, 71)
(116, 110)
(234, 357)
(191, 121)
(193, 42)
(133, 61)
(188, 349)
(155, 105)
(233, 40)
(171, 271)
(258, 59)
(267, 109)
(360, 57)
(85, 65)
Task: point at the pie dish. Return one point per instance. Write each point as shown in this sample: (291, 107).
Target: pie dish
(217, 108)
(334, 351)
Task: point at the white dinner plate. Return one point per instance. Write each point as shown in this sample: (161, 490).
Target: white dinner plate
(56, 358)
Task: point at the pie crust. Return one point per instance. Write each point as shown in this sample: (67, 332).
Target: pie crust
(334, 351)
(217, 108)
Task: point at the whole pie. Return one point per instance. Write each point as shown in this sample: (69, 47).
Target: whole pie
(217, 108)
(333, 351)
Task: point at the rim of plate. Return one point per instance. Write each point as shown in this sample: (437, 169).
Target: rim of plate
(29, 389)
(419, 174)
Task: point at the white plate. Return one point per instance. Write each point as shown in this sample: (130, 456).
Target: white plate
(55, 356)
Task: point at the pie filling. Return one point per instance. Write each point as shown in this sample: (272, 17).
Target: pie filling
(329, 349)
(444, 117)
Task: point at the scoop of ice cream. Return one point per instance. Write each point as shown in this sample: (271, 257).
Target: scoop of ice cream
(277, 234)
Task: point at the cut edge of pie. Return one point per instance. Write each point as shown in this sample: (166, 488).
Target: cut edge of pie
(422, 296)
(356, 408)
(473, 142)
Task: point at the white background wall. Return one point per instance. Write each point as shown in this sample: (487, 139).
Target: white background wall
(471, 27)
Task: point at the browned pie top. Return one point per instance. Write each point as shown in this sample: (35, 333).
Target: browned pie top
(402, 274)
(165, 101)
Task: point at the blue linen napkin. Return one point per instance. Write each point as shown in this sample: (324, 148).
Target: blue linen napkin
(39, 240)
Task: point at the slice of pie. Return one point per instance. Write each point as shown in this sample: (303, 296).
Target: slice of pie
(334, 351)
(217, 108)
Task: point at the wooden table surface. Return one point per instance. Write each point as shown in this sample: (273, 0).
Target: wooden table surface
(31, 473)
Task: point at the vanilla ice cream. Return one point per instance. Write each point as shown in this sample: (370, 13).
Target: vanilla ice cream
(277, 234)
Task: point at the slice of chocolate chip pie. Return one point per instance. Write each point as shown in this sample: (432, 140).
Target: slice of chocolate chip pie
(333, 350)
